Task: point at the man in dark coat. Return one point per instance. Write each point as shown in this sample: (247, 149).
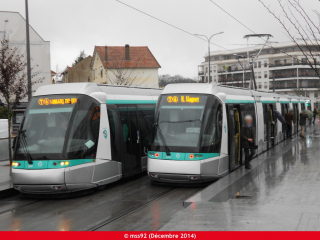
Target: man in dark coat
(289, 119)
(315, 113)
(248, 140)
(303, 121)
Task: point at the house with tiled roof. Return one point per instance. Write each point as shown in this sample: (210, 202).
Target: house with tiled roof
(127, 65)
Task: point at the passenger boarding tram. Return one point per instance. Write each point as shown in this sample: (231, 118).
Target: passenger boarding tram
(83, 135)
(197, 135)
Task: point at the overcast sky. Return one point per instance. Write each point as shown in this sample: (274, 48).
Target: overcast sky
(74, 25)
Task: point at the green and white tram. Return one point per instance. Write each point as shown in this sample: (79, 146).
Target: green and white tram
(197, 135)
(82, 135)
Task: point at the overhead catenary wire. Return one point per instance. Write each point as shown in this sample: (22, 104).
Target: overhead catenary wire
(171, 25)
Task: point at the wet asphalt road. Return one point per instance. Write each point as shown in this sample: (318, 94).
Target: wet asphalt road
(121, 206)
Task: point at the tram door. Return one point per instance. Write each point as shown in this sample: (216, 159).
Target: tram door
(232, 148)
(131, 140)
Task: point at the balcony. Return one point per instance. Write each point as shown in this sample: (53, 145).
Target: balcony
(284, 75)
(201, 73)
(285, 64)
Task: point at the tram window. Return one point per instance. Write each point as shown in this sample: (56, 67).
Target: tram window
(249, 109)
(115, 131)
(212, 132)
(125, 129)
(303, 106)
(146, 120)
(84, 134)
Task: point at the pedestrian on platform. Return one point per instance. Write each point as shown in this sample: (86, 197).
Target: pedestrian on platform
(315, 113)
(310, 115)
(303, 120)
(289, 119)
(248, 140)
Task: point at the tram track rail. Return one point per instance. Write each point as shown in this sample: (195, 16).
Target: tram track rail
(19, 207)
(129, 210)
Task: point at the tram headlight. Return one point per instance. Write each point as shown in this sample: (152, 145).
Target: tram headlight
(62, 163)
(66, 163)
(16, 164)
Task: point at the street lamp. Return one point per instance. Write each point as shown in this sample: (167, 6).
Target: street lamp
(28, 53)
(208, 47)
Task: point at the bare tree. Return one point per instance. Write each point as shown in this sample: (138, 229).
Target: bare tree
(13, 79)
(128, 73)
(81, 56)
(297, 24)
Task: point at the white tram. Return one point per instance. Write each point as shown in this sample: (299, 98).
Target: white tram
(82, 135)
(198, 129)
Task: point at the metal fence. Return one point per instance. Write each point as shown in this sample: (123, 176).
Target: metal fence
(4, 151)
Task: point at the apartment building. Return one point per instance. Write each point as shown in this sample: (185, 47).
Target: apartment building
(15, 25)
(281, 67)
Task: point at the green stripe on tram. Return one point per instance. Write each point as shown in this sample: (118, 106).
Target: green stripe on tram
(116, 101)
(49, 164)
(177, 156)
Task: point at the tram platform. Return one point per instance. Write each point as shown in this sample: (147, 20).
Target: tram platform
(280, 192)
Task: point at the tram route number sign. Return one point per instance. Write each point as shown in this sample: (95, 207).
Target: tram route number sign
(57, 101)
(183, 99)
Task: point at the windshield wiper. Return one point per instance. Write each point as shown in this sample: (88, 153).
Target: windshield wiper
(162, 139)
(22, 138)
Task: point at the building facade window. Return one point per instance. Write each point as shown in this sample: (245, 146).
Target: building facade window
(214, 68)
(259, 74)
(259, 64)
(316, 94)
(265, 85)
(215, 78)
(265, 63)
(255, 65)
(259, 85)
(206, 69)
(216, 58)
(265, 74)
(101, 71)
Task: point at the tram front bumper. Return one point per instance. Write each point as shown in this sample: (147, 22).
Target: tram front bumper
(178, 171)
(39, 181)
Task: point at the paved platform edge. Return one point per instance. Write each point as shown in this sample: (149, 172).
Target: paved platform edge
(274, 152)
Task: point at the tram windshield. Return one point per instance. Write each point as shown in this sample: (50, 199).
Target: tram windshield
(59, 127)
(188, 123)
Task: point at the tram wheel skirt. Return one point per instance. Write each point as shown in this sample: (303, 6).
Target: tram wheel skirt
(54, 188)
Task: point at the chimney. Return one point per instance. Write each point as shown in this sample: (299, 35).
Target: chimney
(106, 54)
(127, 52)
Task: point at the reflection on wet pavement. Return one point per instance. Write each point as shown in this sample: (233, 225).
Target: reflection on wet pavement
(282, 192)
